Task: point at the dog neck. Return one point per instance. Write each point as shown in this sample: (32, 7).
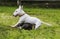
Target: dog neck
(21, 15)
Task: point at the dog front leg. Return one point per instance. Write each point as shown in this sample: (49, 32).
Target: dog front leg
(16, 24)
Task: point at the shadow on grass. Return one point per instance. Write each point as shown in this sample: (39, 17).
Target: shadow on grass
(45, 32)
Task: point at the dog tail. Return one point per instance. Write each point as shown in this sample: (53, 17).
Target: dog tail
(47, 23)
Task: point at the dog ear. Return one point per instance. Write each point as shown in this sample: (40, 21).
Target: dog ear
(20, 7)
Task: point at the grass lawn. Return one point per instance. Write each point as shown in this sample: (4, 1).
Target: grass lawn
(49, 15)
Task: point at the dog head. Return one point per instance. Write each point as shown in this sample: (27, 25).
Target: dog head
(18, 11)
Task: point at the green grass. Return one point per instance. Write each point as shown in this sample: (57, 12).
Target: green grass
(44, 32)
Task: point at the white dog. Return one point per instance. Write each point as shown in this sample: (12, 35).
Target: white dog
(25, 18)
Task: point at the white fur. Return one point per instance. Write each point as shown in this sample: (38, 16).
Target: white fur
(28, 19)
(18, 11)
